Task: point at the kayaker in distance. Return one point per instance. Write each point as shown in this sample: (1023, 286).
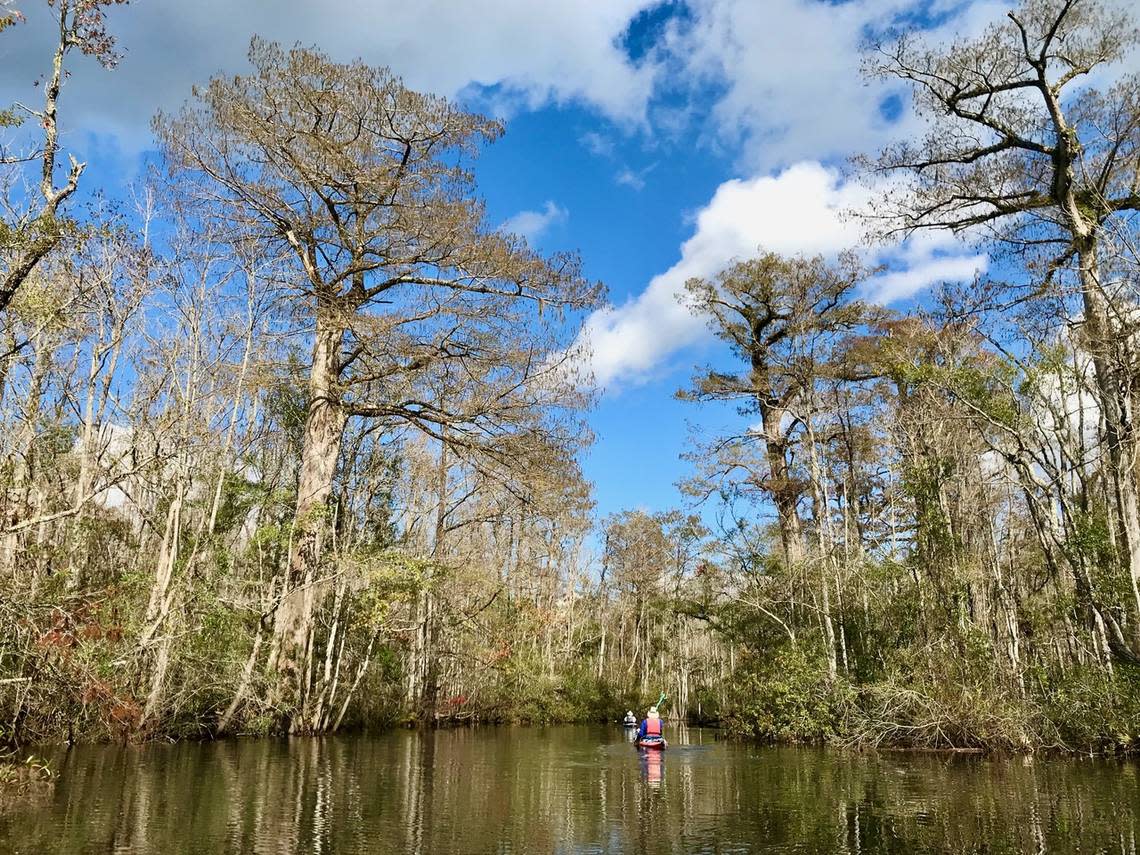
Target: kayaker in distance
(630, 719)
(651, 733)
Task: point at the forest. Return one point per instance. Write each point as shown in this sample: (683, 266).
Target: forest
(292, 430)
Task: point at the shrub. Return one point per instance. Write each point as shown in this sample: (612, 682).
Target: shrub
(785, 697)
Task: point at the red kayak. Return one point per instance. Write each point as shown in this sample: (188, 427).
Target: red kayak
(658, 744)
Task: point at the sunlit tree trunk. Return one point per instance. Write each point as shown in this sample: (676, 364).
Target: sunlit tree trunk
(1114, 384)
(324, 429)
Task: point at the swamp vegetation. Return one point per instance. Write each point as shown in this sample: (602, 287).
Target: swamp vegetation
(290, 432)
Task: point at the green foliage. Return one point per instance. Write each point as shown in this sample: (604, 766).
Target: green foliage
(986, 390)
(527, 693)
(923, 481)
(584, 697)
(239, 497)
(394, 578)
(1087, 709)
(285, 404)
(706, 706)
(785, 696)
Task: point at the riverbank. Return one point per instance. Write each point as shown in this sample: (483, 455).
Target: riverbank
(74, 674)
(786, 698)
(843, 725)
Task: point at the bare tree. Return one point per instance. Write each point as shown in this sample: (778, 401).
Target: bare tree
(1022, 147)
(363, 182)
(34, 229)
(767, 309)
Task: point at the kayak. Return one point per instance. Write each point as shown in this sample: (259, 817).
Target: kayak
(658, 744)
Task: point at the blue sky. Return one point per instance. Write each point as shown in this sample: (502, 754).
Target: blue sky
(626, 232)
(660, 140)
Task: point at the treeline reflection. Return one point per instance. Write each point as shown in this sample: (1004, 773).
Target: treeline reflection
(565, 790)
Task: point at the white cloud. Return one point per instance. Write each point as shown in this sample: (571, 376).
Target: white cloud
(628, 178)
(790, 72)
(897, 285)
(634, 178)
(799, 210)
(787, 70)
(554, 51)
(533, 224)
(597, 144)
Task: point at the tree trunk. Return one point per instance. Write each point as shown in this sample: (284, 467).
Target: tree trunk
(24, 462)
(785, 492)
(826, 548)
(324, 429)
(1115, 400)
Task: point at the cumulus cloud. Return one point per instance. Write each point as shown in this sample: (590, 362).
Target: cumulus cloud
(782, 76)
(533, 224)
(799, 210)
(786, 71)
(536, 53)
(789, 72)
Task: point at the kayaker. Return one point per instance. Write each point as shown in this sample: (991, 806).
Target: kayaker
(630, 719)
(651, 732)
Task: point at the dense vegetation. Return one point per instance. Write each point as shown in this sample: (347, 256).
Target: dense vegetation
(290, 440)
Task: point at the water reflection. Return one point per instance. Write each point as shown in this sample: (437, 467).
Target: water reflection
(652, 767)
(565, 790)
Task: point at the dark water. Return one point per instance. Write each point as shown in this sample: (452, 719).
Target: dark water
(564, 790)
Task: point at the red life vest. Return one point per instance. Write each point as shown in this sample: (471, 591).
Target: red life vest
(653, 727)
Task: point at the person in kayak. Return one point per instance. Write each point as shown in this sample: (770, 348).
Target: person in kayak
(651, 732)
(630, 719)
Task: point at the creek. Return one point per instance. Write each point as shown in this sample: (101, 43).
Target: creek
(564, 789)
